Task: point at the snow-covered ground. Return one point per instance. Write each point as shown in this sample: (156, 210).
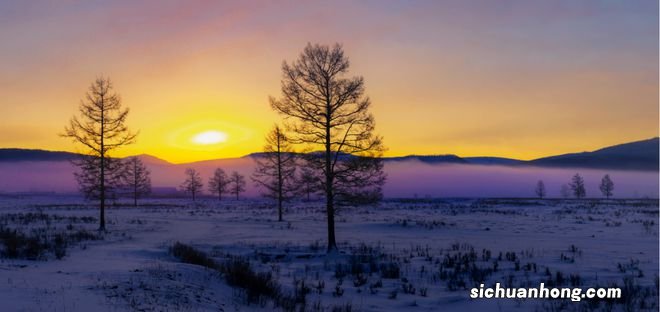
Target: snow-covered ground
(416, 255)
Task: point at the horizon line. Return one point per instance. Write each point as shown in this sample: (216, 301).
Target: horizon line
(388, 156)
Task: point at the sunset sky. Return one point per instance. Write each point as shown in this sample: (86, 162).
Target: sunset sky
(521, 79)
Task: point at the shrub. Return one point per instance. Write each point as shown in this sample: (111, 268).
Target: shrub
(59, 246)
(20, 246)
(360, 280)
(393, 294)
(348, 307)
(408, 288)
(300, 291)
(188, 254)
(338, 292)
(239, 273)
(390, 270)
(257, 286)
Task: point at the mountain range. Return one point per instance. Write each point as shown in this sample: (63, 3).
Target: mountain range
(638, 155)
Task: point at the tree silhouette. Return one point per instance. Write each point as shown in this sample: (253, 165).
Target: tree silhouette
(577, 186)
(607, 186)
(136, 177)
(193, 183)
(307, 183)
(100, 129)
(540, 189)
(275, 169)
(330, 112)
(218, 183)
(236, 184)
(88, 174)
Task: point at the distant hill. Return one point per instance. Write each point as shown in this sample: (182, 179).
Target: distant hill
(261, 155)
(430, 159)
(486, 160)
(639, 155)
(148, 159)
(17, 154)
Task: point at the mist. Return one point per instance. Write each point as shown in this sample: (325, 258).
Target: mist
(417, 179)
(409, 178)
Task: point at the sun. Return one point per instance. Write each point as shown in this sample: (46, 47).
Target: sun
(210, 137)
(193, 135)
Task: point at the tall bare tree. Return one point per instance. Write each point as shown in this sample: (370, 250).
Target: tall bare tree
(607, 186)
(540, 189)
(577, 186)
(193, 183)
(236, 184)
(276, 168)
(218, 183)
(328, 111)
(101, 129)
(136, 178)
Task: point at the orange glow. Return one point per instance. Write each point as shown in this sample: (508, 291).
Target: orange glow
(442, 78)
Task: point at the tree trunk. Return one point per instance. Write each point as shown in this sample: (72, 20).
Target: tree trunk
(102, 208)
(135, 183)
(330, 209)
(102, 195)
(279, 179)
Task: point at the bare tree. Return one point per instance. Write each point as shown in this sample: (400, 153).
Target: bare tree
(218, 183)
(275, 170)
(540, 189)
(328, 111)
(136, 177)
(607, 186)
(193, 183)
(88, 173)
(100, 129)
(565, 191)
(307, 183)
(236, 184)
(577, 186)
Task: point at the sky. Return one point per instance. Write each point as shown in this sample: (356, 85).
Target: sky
(521, 79)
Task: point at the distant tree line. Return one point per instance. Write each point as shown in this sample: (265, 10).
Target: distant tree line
(577, 188)
(219, 184)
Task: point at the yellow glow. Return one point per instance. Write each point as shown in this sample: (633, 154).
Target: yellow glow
(192, 138)
(516, 101)
(210, 137)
